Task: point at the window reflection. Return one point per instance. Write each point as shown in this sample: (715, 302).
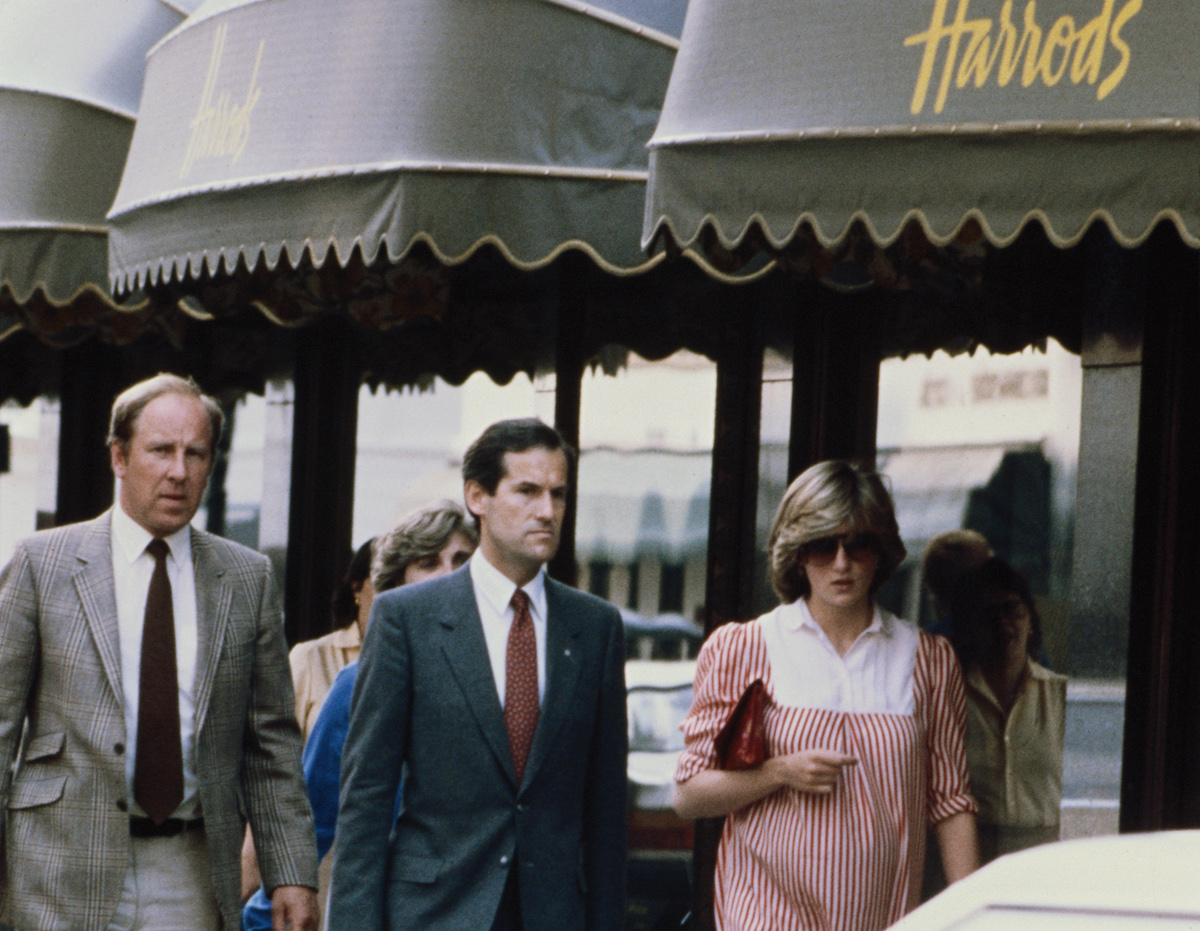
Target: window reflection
(257, 474)
(411, 441)
(775, 425)
(991, 443)
(645, 467)
(641, 539)
(28, 470)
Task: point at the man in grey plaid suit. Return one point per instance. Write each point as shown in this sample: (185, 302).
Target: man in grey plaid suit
(112, 824)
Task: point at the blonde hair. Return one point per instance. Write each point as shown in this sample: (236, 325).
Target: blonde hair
(130, 403)
(422, 533)
(826, 499)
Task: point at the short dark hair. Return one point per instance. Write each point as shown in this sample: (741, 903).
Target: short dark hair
(345, 599)
(975, 625)
(483, 462)
(130, 403)
(947, 556)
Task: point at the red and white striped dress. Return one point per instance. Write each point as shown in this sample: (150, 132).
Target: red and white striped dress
(852, 860)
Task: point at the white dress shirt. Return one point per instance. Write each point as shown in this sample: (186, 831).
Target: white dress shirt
(132, 568)
(875, 676)
(493, 595)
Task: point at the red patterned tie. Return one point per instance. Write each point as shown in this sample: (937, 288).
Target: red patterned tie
(158, 768)
(520, 683)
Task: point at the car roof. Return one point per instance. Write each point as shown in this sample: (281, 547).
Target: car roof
(659, 674)
(1122, 881)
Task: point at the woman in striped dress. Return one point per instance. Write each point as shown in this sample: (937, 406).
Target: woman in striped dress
(864, 729)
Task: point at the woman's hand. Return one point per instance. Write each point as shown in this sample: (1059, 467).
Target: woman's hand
(815, 771)
(715, 792)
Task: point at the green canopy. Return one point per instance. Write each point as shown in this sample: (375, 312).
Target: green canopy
(70, 79)
(790, 115)
(271, 129)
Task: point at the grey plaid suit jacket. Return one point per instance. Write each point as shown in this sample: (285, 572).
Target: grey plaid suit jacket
(65, 839)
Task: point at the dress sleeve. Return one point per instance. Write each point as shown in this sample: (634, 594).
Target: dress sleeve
(946, 717)
(731, 658)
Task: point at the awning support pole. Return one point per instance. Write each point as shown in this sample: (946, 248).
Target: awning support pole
(1160, 784)
(324, 445)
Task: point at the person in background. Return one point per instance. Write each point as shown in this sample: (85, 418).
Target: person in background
(145, 698)
(1016, 710)
(316, 663)
(947, 556)
(499, 694)
(864, 729)
(430, 542)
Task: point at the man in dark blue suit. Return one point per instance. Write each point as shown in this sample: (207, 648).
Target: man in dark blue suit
(500, 694)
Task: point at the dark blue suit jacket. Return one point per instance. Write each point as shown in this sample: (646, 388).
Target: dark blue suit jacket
(426, 700)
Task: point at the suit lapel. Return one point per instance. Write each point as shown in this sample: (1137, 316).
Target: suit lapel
(563, 666)
(466, 652)
(213, 597)
(97, 596)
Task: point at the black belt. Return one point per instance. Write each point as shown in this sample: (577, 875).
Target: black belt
(145, 827)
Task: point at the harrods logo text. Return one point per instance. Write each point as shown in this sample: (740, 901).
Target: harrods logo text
(221, 129)
(982, 50)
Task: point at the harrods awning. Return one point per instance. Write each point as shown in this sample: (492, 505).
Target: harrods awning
(798, 121)
(280, 129)
(70, 80)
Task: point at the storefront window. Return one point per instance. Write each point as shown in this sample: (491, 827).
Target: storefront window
(991, 443)
(254, 478)
(411, 442)
(28, 470)
(774, 430)
(645, 467)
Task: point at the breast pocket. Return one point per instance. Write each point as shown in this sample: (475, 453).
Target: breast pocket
(44, 747)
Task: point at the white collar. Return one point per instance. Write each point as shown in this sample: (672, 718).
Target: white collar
(796, 616)
(130, 539)
(498, 589)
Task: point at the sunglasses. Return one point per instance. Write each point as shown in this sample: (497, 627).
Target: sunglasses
(1010, 609)
(857, 546)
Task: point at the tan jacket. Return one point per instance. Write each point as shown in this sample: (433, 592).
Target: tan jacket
(1016, 760)
(315, 664)
(65, 840)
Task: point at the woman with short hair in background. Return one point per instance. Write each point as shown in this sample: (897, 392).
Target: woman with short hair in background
(1016, 711)
(429, 542)
(316, 663)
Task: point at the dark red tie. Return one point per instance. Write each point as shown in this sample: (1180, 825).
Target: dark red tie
(158, 769)
(520, 683)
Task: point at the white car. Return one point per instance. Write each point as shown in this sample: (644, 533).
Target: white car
(1110, 883)
(659, 695)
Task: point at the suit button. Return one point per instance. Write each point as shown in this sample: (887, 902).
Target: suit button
(521, 806)
(122, 805)
(118, 749)
(504, 861)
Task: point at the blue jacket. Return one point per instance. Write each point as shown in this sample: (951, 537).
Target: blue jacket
(322, 771)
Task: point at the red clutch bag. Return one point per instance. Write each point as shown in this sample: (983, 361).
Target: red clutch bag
(742, 742)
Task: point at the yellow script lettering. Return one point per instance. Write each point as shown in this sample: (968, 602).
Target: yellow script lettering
(1033, 35)
(221, 129)
(974, 50)
(1060, 36)
(1128, 12)
(1089, 47)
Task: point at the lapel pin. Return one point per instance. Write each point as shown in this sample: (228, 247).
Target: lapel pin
(567, 651)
